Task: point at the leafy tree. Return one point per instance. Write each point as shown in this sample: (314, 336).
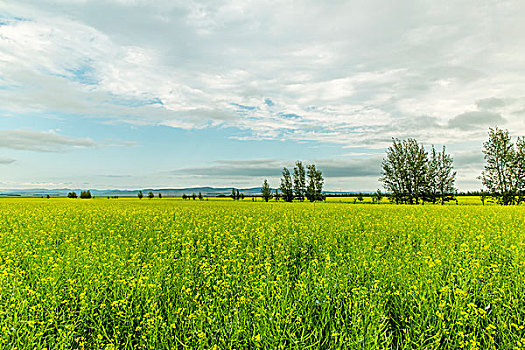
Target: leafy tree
(140, 195)
(483, 197)
(160, 195)
(286, 186)
(237, 195)
(234, 194)
(151, 195)
(193, 196)
(200, 196)
(184, 196)
(242, 196)
(519, 168)
(72, 195)
(377, 196)
(266, 191)
(440, 177)
(85, 194)
(299, 181)
(404, 171)
(446, 176)
(499, 175)
(48, 196)
(314, 189)
(432, 190)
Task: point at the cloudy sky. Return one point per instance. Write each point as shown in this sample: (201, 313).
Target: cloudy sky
(136, 93)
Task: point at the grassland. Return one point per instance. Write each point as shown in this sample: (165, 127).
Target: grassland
(150, 274)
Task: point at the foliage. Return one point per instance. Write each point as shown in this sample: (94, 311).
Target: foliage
(140, 195)
(286, 186)
(411, 176)
(519, 168)
(236, 195)
(314, 189)
(72, 195)
(440, 177)
(299, 181)
(151, 195)
(85, 194)
(504, 172)
(298, 188)
(266, 191)
(377, 196)
(404, 171)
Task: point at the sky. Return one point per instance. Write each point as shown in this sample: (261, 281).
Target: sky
(130, 94)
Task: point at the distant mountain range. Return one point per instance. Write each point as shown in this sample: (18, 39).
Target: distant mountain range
(167, 192)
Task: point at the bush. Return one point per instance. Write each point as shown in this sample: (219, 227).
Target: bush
(85, 194)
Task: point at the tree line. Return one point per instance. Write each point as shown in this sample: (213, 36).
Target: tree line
(193, 196)
(83, 195)
(304, 183)
(411, 175)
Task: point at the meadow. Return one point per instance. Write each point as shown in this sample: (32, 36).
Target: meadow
(164, 274)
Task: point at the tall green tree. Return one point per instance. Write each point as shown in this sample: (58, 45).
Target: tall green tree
(140, 195)
(519, 168)
(432, 191)
(287, 186)
(299, 181)
(404, 171)
(377, 196)
(499, 175)
(314, 189)
(151, 195)
(85, 194)
(445, 177)
(440, 177)
(266, 191)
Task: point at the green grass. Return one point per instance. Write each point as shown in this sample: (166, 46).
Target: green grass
(167, 273)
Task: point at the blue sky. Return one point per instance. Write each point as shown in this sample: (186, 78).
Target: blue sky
(135, 93)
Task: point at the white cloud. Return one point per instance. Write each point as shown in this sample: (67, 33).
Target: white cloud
(41, 141)
(6, 160)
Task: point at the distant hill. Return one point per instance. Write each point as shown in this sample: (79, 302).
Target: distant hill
(166, 192)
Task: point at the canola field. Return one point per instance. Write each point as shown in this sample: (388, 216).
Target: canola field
(172, 274)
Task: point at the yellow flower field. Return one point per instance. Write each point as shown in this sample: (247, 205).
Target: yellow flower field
(164, 274)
